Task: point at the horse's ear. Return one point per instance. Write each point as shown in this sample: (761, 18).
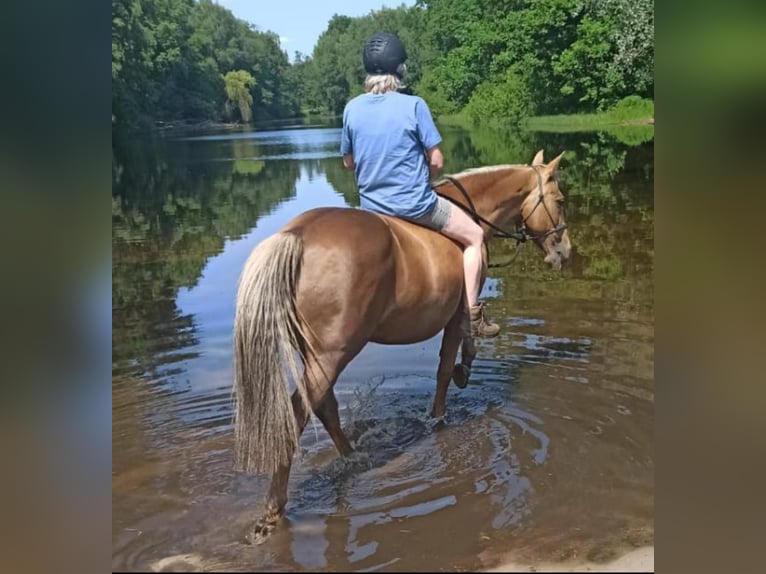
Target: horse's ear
(551, 167)
(538, 158)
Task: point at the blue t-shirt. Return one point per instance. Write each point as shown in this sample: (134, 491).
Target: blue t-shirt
(388, 135)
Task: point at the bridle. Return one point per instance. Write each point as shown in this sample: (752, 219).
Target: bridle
(522, 232)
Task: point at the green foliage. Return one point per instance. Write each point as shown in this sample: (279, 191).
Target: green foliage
(169, 58)
(507, 100)
(632, 38)
(497, 58)
(491, 59)
(335, 72)
(238, 85)
(583, 70)
(438, 101)
(570, 55)
(632, 107)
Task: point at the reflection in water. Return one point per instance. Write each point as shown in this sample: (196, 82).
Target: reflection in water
(548, 453)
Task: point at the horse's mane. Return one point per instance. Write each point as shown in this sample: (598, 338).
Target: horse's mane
(476, 171)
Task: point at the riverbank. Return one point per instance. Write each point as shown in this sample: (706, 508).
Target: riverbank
(189, 127)
(589, 122)
(631, 111)
(193, 125)
(638, 560)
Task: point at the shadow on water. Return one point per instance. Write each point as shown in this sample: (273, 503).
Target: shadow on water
(548, 453)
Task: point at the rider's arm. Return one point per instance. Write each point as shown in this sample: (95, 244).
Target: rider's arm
(435, 161)
(429, 137)
(348, 162)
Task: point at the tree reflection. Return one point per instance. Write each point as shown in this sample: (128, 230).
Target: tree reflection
(608, 183)
(173, 207)
(175, 203)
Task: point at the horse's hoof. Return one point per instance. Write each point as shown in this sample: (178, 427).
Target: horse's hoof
(259, 533)
(261, 530)
(460, 375)
(439, 423)
(437, 418)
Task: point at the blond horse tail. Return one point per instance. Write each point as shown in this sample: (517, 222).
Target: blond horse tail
(269, 342)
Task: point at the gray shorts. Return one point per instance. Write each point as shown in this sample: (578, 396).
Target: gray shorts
(438, 217)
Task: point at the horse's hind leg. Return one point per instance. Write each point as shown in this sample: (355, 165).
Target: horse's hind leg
(277, 498)
(453, 334)
(327, 412)
(320, 376)
(325, 370)
(462, 370)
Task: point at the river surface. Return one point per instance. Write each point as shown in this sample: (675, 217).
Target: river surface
(547, 455)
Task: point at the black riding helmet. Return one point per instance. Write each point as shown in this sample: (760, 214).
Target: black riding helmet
(384, 53)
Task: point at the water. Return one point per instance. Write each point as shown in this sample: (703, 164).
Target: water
(546, 455)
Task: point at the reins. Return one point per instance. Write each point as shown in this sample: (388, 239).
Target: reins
(521, 234)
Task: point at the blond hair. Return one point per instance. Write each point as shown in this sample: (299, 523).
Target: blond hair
(382, 83)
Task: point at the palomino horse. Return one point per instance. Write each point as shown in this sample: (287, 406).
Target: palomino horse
(333, 279)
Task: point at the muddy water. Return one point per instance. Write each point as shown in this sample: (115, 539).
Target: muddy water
(546, 456)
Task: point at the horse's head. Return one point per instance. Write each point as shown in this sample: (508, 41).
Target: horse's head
(542, 212)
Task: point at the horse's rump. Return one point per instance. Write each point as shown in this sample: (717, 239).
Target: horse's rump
(384, 278)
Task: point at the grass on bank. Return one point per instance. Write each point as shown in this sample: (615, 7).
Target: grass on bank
(630, 121)
(628, 112)
(632, 110)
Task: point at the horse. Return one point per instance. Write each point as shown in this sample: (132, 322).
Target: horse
(333, 279)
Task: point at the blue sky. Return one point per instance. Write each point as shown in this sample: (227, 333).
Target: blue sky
(300, 22)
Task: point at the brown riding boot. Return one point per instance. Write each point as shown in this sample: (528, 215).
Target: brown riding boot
(479, 325)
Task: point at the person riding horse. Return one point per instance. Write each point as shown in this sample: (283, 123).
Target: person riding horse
(391, 143)
(310, 298)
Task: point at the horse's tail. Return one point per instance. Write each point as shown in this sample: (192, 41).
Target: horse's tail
(268, 334)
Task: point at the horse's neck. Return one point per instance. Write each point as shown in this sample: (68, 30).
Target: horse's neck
(497, 195)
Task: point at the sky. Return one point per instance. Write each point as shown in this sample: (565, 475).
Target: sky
(298, 23)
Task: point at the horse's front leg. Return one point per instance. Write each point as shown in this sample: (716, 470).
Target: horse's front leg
(453, 334)
(277, 498)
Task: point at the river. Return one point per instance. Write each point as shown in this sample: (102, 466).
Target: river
(546, 455)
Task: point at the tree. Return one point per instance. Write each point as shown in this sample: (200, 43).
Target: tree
(633, 40)
(169, 58)
(487, 58)
(238, 84)
(563, 56)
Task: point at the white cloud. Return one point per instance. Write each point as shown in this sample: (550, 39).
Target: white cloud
(284, 39)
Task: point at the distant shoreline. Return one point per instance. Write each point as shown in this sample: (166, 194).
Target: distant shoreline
(181, 127)
(585, 122)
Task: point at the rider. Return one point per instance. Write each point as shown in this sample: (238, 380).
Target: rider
(391, 143)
